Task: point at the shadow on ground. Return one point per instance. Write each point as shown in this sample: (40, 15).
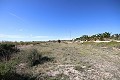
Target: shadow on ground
(42, 60)
(15, 76)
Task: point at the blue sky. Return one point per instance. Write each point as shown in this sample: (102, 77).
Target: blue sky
(30, 20)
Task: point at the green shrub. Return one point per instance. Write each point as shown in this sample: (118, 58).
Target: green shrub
(6, 50)
(34, 57)
(16, 76)
(7, 66)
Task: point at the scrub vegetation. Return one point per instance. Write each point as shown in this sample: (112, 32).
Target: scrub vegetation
(63, 60)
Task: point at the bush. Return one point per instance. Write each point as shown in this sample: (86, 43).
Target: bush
(6, 50)
(15, 76)
(34, 57)
(7, 66)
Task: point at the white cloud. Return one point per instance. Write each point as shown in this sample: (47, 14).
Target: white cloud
(10, 36)
(21, 36)
(30, 37)
(16, 16)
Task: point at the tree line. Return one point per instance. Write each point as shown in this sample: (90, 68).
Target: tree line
(101, 37)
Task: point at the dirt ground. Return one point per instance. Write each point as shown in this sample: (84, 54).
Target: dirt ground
(76, 61)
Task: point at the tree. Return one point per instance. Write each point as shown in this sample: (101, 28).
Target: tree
(116, 36)
(106, 35)
(84, 38)
(93, 37)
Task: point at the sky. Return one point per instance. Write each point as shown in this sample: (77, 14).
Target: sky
(42, 20)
